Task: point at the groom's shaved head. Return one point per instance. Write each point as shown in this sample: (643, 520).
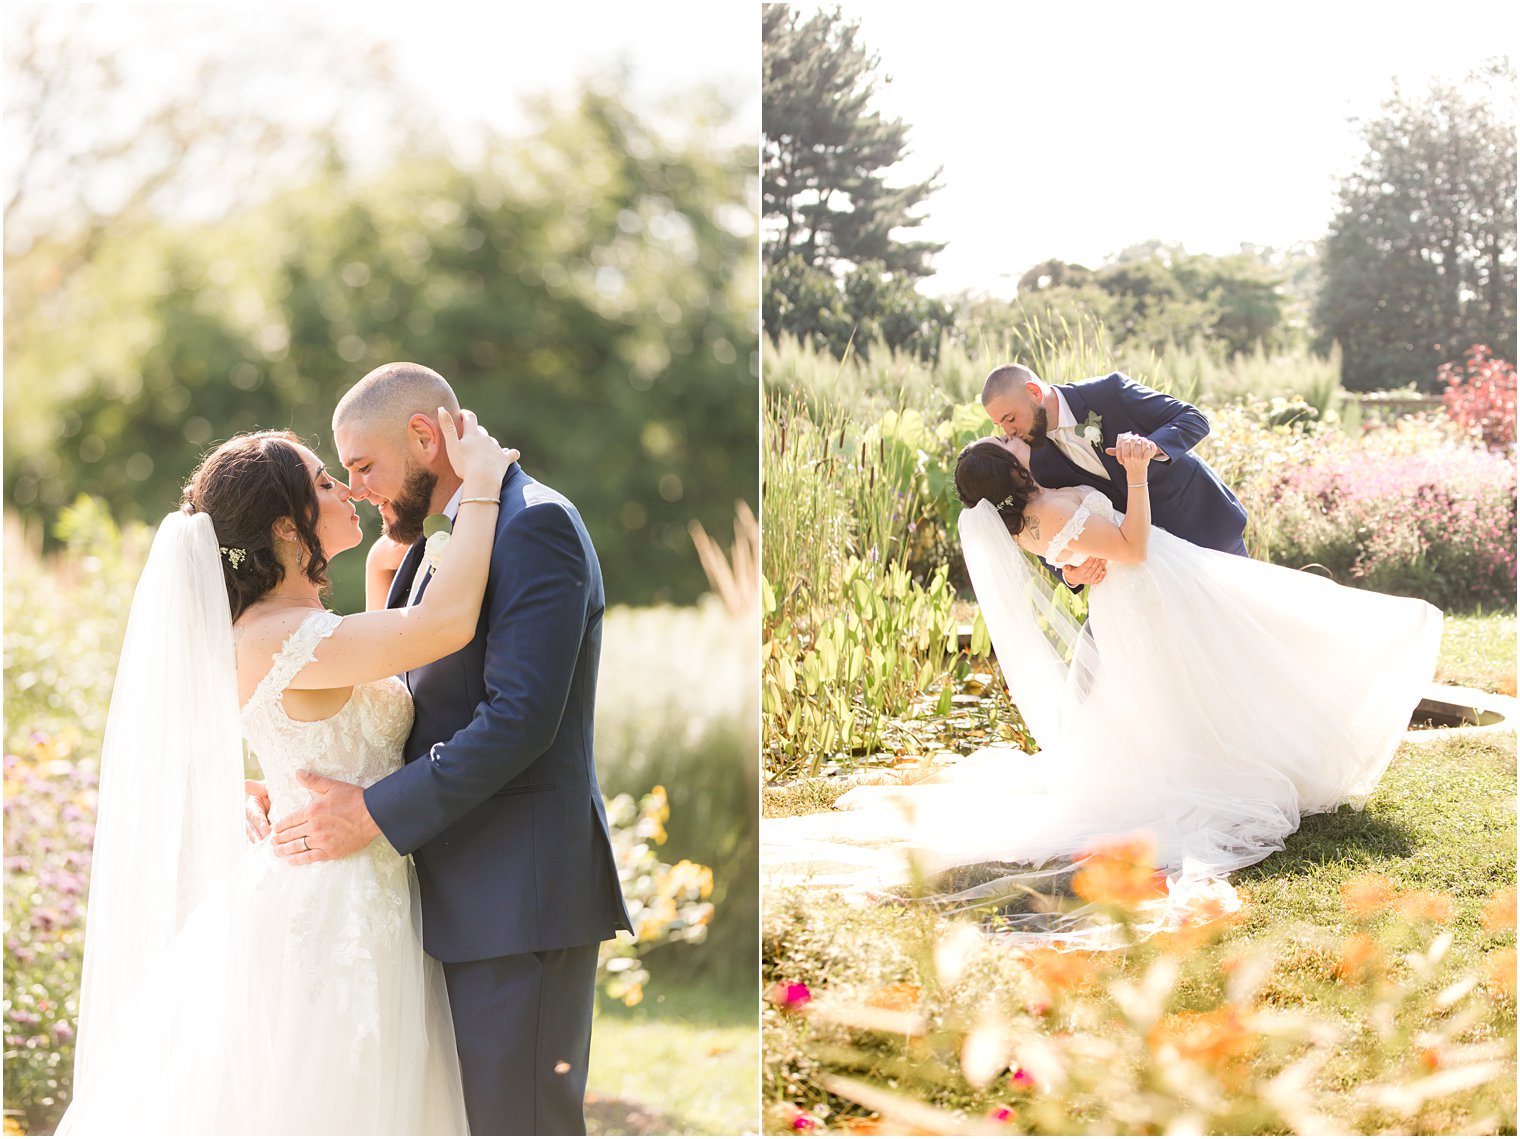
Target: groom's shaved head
(390, 395)
(1005, 380)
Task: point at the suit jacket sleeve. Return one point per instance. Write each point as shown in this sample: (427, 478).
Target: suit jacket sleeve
(535, 610)
(1174, 426)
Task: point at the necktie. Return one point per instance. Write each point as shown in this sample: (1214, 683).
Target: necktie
(1078, 450)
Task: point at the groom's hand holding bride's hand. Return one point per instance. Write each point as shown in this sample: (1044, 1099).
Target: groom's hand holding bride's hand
(335, 824)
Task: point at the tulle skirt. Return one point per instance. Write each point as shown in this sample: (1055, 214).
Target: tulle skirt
(296, 1000)
(1214, 701)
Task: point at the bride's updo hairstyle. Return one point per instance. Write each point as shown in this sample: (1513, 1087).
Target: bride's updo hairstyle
(247, 485)
(986, 470)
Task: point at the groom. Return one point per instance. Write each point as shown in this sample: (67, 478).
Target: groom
(1072, 430)
(498, 802)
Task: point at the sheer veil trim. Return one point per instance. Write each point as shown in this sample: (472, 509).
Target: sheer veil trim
(171, 776)
(1041, 649)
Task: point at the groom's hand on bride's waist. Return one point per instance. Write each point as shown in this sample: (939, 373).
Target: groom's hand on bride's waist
(335, 824)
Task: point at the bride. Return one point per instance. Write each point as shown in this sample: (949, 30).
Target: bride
(225, 991)
(1210, 700)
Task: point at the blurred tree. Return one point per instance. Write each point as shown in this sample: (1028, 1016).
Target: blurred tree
(589, 290)
(830, 216)
(1154, 293)
(1420, 260)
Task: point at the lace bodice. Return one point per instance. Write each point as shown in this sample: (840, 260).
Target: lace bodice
(1058, 553)
(360, 743)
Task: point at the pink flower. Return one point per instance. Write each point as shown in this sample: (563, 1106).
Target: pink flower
(791, 995)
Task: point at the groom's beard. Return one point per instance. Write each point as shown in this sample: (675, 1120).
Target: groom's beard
(410, 507)
(1039, 429)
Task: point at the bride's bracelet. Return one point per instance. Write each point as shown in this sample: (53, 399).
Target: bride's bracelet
(492, 501)
(1138, 485)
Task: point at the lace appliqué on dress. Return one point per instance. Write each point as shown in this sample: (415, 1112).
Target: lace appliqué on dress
(338, 939)
(1055, 553)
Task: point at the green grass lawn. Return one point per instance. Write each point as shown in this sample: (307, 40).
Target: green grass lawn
(685, 1061)
(1478, 651)
(1442, 819)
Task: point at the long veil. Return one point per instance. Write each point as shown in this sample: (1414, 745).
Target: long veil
(170, 808)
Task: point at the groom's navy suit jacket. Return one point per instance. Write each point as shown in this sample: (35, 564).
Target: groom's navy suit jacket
(1187, 497)
(498, 802)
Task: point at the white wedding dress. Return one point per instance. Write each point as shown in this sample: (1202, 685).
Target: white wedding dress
(293, 1000)
(1210, 701)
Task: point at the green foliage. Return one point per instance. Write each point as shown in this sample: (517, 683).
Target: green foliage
(588, 290)
(1153, 295)
(1420, 260)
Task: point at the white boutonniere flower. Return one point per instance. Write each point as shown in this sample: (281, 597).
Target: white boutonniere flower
(436, 528)
(1092, 429)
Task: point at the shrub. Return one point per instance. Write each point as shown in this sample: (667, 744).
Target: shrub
(1481, 397)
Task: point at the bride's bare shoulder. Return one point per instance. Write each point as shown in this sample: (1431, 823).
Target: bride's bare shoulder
(1044, 514)
(264, 628)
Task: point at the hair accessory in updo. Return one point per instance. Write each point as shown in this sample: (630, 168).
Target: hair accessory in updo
(235, 555)
(1009, 501)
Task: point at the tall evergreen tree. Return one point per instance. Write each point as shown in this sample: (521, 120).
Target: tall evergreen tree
(1420, 260)
(825, 193)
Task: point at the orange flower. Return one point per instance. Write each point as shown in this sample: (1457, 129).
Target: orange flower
(1424, 905)
(1202, 924)
(1359, 959)
(1216, 1039)
(1501, 971)
(1500, 911)
(1056, 970)
(1368, 895)
(1121, 873)
(860, 1125)
(901, 997)
(1431, 1059)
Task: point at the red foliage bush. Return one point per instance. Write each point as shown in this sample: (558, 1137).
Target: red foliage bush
(1481, 397)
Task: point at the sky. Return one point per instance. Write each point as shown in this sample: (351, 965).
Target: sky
(472, 65)
(1071, 131)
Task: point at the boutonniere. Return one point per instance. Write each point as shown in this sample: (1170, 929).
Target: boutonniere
(1092, 429)
(436, 528)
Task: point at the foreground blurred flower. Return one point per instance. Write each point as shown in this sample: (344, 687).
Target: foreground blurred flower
(1424, 905)
(1501, 971)
(791, 995)
(1057, 971)
(901, 997)
(1499, 914)
(1359, 959)
(1121, 873)
(1368, 895)
(1216, 1039)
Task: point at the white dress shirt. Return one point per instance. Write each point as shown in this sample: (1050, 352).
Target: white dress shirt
(425, 571)
(1066, 435)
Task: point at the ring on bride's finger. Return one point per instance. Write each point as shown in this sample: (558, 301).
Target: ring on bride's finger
(305, 844)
